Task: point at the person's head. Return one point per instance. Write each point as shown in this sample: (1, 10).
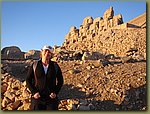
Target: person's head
(46, 52)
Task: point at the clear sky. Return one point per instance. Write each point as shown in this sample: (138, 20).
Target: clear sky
(30, 25)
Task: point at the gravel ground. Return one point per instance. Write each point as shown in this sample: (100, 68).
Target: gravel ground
(113, 86)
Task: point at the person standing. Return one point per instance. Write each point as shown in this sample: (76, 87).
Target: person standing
(44, 80)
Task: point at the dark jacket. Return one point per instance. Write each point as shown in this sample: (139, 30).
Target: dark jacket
(46, 83)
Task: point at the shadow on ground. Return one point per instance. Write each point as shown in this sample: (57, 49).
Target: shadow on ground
(135, 99)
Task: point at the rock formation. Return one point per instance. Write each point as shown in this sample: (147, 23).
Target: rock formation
(12, 52)
(139, 22)
(108, 34)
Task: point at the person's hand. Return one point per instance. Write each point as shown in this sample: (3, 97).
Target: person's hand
(36, 95)
(52, 95)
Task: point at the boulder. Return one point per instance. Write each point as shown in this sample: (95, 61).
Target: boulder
(12, 52)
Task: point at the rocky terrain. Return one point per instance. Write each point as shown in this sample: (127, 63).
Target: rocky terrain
(88, 85)
(103, 65)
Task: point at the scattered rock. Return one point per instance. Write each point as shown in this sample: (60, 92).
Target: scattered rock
(103, 65)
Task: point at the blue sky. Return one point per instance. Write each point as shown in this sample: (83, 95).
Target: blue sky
(30, 25)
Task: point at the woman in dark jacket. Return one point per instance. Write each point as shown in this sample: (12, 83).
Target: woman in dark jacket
(45, 80)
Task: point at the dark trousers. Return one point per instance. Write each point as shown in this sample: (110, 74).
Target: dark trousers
(44, 104)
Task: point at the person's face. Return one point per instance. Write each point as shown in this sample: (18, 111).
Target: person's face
(46, 54)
